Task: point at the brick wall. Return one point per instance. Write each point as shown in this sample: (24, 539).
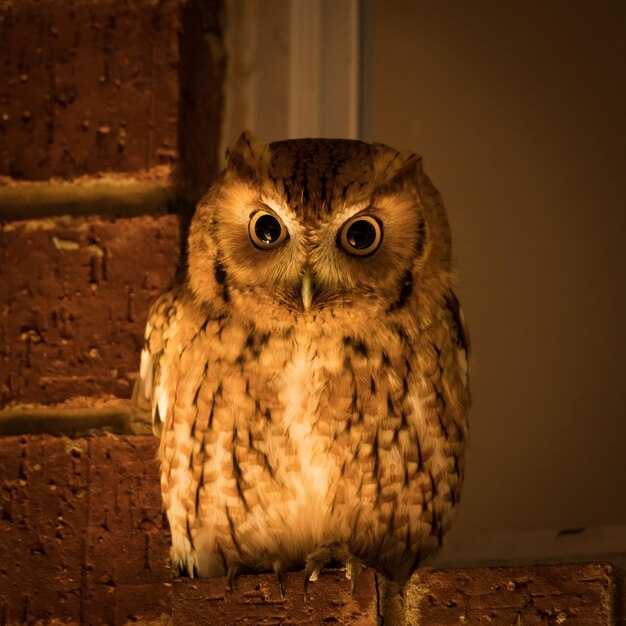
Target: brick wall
(110, 113)
(99, 102)
(110, 118)
(82, 537)
(91, 87)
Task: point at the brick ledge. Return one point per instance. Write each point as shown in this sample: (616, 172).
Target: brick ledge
(76, 418)
(149, 192)
(580, 594)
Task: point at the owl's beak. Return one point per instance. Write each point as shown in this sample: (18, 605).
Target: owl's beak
(307, 291)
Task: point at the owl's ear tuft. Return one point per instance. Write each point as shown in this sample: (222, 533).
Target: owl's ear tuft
(394, 169)
(391, 166)
(411, 165)
(247, 156)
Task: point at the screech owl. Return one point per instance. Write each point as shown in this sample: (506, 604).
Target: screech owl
(308, 373)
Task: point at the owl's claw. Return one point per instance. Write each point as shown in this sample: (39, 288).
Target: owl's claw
(233, 570)
(280, 577)
(333, 554)
(311, 573)
(354, 567)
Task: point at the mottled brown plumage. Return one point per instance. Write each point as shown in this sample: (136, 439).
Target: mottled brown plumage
(311, 396)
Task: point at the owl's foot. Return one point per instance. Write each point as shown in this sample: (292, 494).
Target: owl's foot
(354, 567)
(233, 570)
(280, 577)
(333, 554)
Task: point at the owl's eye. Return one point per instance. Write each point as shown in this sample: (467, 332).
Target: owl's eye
(361, 235)
(266, 230)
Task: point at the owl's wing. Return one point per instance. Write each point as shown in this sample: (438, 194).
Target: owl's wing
(149, 396)
(460, 335)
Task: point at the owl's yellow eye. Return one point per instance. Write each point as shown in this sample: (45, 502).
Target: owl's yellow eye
(266, 230)
(361, 235)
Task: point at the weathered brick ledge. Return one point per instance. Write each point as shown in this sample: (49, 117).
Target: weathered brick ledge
(150, 192)
(543, 594)
(83, 541)
(77, 417)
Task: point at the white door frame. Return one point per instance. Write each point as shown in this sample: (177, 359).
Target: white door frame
(293, 69)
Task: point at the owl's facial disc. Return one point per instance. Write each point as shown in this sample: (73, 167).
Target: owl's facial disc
(308, 260)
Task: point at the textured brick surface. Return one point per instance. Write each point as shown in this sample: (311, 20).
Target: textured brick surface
(580, 594)
(75, 294)
(43, 511)
(88, 86)
(81, 532)
(127, 548)
(112, 86)
(256, 600)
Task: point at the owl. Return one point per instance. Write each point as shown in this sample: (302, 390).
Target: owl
(307, 375)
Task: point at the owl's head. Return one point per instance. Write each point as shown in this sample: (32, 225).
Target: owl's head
(318, 227)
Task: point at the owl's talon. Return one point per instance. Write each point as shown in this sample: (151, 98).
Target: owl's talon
(311, 573)
(354, 567)
(233, 570)
(306, 586)
(280, 577)
(332, 555)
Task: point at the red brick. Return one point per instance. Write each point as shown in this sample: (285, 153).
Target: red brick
(127, 539)
(256, 600)
(75, 294)
(143, 603)
(540, 594)
(111, 86)
(81, 531)
(43, 513)
(88, 86)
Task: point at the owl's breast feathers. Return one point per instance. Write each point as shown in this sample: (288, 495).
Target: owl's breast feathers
(274, 442)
